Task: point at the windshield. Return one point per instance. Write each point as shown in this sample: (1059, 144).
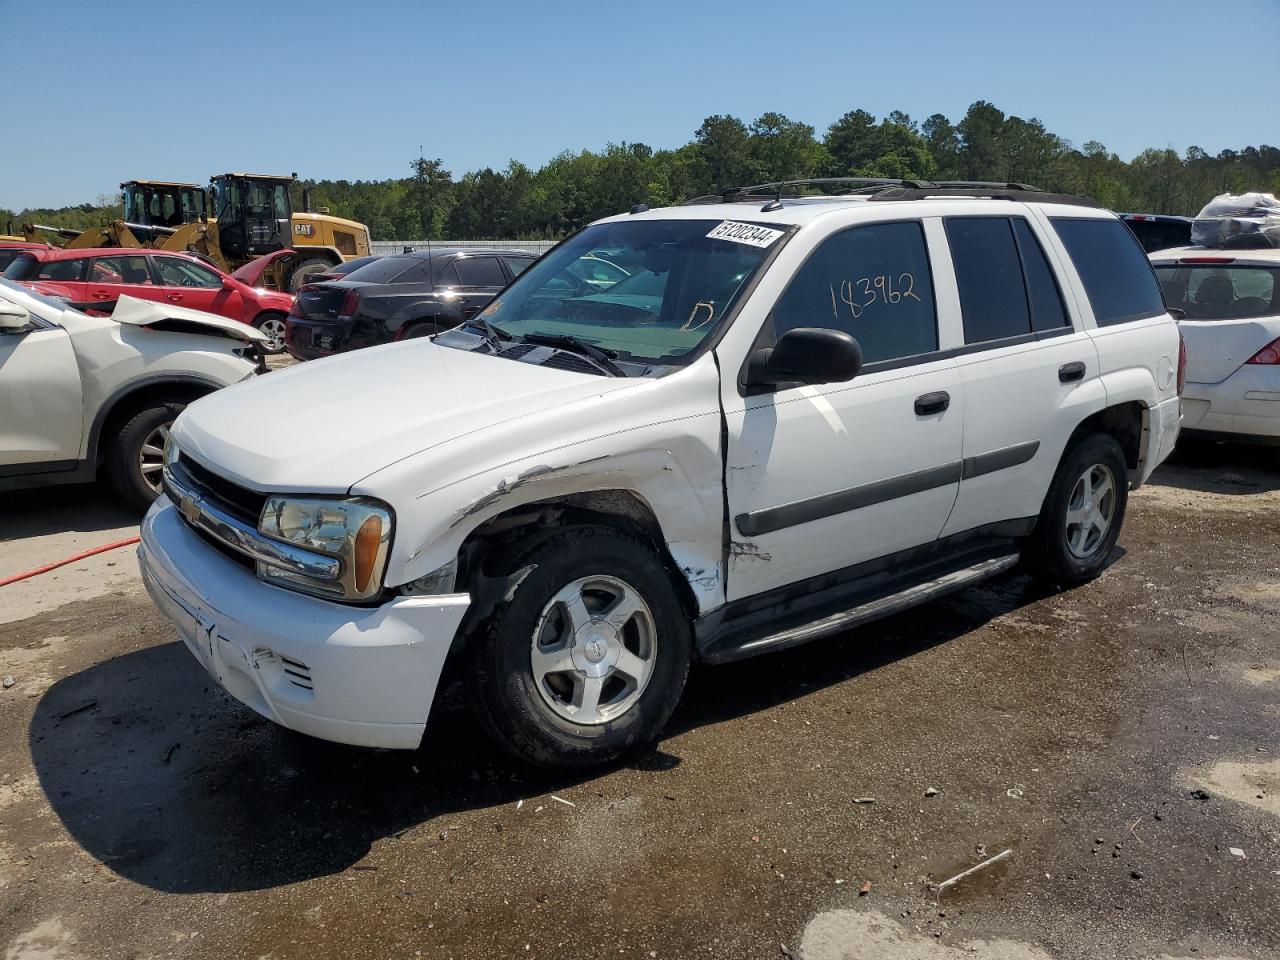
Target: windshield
(1219, 292)
(650, 290)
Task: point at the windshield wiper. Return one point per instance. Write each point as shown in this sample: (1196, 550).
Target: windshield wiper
(491, 333)
(573, 344)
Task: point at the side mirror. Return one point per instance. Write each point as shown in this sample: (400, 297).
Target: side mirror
(807, 355)
(13, 318)
(227, 284)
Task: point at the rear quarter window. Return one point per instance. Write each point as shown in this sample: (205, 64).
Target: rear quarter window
(20, 266)
(1116, 273)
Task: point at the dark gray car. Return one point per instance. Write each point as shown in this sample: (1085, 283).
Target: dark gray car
(395, 298)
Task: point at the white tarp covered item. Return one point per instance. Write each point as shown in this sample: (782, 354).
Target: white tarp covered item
(1244, 220)
(145, 313)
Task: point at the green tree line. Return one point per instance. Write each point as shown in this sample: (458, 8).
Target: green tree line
(573, 189)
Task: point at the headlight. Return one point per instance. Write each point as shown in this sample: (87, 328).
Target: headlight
(356, 531)
(170, 448)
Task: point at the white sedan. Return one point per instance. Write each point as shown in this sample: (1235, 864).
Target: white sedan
(1231, 299)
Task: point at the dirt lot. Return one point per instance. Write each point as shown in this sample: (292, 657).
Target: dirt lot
(1122, 740)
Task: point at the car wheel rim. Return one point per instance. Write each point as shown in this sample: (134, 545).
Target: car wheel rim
(273, 330)
(1090, 511)
(594, 650)
(151, 456)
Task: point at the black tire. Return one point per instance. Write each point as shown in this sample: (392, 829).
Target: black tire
(124, 467)
(302, 271)
(274, 321)
(415, 330)
(499, 675)
(1056, 551)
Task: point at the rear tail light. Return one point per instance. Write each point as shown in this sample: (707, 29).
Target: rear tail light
(1268, 356)
(349, 304)
(1182, 362)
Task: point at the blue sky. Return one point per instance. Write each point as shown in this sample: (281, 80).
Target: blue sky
(99, 92)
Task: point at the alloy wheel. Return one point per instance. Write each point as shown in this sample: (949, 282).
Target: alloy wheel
(1090, 511)
(594, 650)
(151, 456)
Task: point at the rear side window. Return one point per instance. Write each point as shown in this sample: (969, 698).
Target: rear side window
(480, 272)
(872, 282)
(993, 296)
(384, 269)
(1115, 272)
(517, 265)
(1047, 311)
(8, 256)
(60, 270)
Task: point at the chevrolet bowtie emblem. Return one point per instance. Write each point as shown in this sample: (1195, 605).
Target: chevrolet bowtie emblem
(190, 509)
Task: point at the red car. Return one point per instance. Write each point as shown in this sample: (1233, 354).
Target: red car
(102, 274)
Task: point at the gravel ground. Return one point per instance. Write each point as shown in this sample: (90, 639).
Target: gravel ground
(1121, 739)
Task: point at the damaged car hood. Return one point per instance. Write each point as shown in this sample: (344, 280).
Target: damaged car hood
(157, 316)
(322, 426)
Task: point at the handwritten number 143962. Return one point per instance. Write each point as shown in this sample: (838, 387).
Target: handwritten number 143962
(857, 295)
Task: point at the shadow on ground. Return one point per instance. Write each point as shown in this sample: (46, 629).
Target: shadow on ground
(1225, 468)
(80, 508)
(171, 784)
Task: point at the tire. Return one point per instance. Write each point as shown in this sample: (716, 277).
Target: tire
(136, 486)
(416, 330)
(272, 324)
(1069, 546)
(304, 270)
(536, 712)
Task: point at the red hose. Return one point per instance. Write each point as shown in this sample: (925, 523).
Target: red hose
(62, 563)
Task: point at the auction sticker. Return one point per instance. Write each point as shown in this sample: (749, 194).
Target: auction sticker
(748, 233)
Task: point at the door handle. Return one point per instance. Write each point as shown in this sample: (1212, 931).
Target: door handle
(101, 295)
(1071, 372)
(932, 403)
(173, 296)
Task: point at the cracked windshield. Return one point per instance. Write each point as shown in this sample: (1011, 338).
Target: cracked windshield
(646, 292)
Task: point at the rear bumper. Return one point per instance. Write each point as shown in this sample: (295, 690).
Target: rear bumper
(358, 675)
(308, 340)
(1246, 404)
(1163, 424)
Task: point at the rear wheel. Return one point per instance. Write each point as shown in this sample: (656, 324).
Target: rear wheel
(304, 270)
(136, 457)
(588, 657)
(271, 325)
(417, 330)
(1082, 513)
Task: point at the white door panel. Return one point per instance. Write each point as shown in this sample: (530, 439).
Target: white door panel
(40, 400)
(1019, 415)
(821, 478)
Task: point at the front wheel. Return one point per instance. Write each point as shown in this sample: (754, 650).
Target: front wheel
(271, 325)
(1082, 513)
(588, 655)
(136, 457)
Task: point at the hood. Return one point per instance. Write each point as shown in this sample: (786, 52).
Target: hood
(322, 426)
(251, 273)
(161, 316)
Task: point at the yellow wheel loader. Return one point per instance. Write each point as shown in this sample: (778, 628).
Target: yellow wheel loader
(252, 217)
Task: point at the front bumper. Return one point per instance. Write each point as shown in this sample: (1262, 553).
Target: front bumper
(358, 675)
(1246, 404)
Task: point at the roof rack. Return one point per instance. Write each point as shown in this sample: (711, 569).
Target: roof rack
(983, 189)
(886, 188)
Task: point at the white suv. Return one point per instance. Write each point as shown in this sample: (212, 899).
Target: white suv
(778, 420)
(82, 395)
